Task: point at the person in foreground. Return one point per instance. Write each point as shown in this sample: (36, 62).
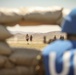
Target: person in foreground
(59, 57)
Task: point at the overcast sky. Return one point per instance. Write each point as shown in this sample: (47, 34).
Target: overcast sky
(43, 3)
(20, 3)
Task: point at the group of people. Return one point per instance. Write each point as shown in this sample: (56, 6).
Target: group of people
(29, 37)
(59, 57)
(52, 40)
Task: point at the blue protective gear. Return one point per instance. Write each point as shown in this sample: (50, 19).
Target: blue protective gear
(59, 57)
(59, 47)
(69, 23)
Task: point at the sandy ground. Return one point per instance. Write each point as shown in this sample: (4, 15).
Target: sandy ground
(23, 44)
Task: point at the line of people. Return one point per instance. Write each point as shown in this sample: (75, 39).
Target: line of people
(51, 40)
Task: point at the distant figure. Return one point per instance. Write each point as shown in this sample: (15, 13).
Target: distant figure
(27, 37)
(50, 40)
(54, 38)
(62, 37)
(31, 38)
(44, 39)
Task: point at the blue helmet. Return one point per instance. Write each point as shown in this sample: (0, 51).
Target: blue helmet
(69, 23)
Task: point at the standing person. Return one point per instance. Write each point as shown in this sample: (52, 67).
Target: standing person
(62, 37)
(27, 37)
(54, 39)
(59, 58)
(31, 38)
(44, 39)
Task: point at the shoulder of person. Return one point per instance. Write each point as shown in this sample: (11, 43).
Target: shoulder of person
(58, 45)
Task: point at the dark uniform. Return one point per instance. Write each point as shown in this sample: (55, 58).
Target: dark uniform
(27, 37)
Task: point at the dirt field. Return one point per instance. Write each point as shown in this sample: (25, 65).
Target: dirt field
(22, 44)
(19, 40)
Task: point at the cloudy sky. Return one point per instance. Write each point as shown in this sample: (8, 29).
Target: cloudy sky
(70, 4)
